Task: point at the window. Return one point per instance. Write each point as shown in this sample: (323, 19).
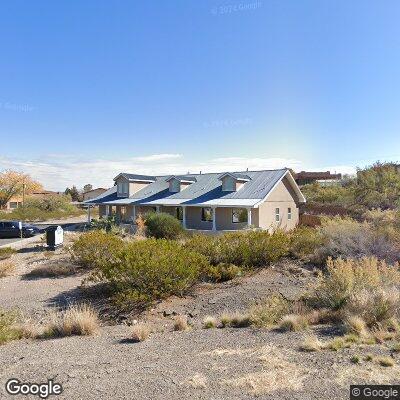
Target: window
(179, 213)
(13, 204)
(207, 214)
(289, 213)
(277, 216)
(239, 215)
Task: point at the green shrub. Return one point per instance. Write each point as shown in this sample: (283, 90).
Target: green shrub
(304, 241)
(162, 226)
(222, 272)
(96, 249)
(270, 311)
(6, 252)
(345, 279)
(250, 248)
(152, 268)
(8, 330)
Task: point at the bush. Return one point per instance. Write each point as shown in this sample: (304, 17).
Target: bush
(345, 279)
(251, 248)
(96, 248)
(293, 323)
(222, 272)
(8, 329)
(304, 241)
(6, 268)
(152, 269)
(270, 311)
(140, 332)
(162, 226)
(346, 238)
(6, 252)
(76, 320)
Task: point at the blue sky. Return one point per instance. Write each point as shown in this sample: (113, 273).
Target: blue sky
(90, 88)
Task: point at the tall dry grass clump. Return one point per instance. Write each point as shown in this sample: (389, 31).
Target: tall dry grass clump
(79, 320)
(7, 267)
(140, 332)
(270, 311)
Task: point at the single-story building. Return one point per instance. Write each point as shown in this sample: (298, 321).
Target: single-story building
(92, 194)
(268, 199)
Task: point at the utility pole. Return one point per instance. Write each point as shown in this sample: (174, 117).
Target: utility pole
(23, 193)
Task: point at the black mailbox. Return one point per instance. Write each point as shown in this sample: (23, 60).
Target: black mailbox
(54, 237)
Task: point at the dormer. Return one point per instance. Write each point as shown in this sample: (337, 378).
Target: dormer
(128, 184)
(179, 183)
(232, 181)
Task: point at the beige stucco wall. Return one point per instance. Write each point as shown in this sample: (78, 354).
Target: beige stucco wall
(281, 197)
(228, 183)
(136, 186)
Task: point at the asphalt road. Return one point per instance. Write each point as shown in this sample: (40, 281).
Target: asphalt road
(66, 227)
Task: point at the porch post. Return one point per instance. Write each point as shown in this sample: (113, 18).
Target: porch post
(134, 214)
(88, 215)
(158, 208)
(214, 226)
(249, 217)
(184, 217)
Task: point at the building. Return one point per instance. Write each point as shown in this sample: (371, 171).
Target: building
(17, 201)
(324, 178)
(92, 194)
(227, 201)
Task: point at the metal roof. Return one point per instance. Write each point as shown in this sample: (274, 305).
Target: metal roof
(206, 189)
(133, 177)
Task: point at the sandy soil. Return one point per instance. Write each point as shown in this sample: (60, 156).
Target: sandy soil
(200, 364)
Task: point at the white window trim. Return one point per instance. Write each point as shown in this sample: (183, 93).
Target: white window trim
(289, 214)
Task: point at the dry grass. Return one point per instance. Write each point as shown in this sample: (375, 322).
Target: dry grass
(197, 381)
(6, 252)
(52, 271)
(385, 361)
(311, 343)
(7, 267)
(235, 320)
(79, 320)
(382, 335)
(140, 332)
(396, 348)
(293, 323)
(8, 326)
(269, 311)
(209, 322)
(356, 325)
(181, 323)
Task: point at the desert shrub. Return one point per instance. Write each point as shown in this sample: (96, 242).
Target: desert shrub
(293, 322)
(250, 248)
(347, 238)
(235, 320)
(108, 224)
(51, 271)
(337, 195)
(140, 332)
(152, 269)
(78, 320)
(354, 324)
(209, 322)
(375, 306)
(96, 248)
(181, 323)
(163, 226)
(345, 279)
(6, 252)
(311, 344)
(8, 328)
(385, 361)
(222, 272)
(270, 311)
(7, 267)
(304, 241)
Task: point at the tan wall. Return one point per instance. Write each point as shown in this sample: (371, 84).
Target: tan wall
(282, 197)
(102, 211)
(136, 186)
(92, 194)
(224, 220)
(193, 219)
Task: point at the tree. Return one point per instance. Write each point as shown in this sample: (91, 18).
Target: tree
(75, 195)
(13, 183)
(87, 188)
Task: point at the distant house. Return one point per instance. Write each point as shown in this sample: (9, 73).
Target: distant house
(17, 201)
(214, 202)
(324, 178)
(93, 193)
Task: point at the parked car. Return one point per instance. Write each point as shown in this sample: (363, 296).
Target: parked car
(10, 229)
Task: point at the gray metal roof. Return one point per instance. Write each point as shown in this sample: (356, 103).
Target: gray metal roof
(132, 177)
(236, 175)
(182, 178)
(207, 189)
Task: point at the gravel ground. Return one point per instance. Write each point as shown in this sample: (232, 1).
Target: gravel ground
(198, 364)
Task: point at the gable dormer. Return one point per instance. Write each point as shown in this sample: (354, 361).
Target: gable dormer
(179, 183)
(232, 181)
(128, 184)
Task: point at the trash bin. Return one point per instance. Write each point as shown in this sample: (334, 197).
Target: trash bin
(54, 237)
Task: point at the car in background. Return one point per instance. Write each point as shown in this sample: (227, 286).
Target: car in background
(10, 229)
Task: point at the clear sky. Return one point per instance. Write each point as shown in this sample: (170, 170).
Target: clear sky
(91, 88)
